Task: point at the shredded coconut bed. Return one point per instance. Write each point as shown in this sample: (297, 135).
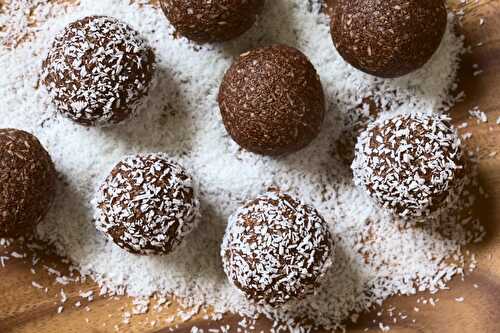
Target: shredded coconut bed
(375, 257)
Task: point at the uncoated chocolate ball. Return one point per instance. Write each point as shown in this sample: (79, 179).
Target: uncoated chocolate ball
(207, 21)
(27, 182)
(271, 100)
(387, 38)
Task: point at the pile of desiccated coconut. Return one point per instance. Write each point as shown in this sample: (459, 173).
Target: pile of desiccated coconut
(376, 257)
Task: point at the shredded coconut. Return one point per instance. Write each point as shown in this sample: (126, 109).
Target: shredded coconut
(375, 257)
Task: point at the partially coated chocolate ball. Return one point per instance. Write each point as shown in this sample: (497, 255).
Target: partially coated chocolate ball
(147, 204)
(98, 71)
(207, 21)
(276, 249)
(412, 165)
(27, 182)
(387, 38)
(271, 100)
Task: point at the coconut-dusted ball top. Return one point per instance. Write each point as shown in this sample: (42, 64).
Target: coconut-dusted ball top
(410, 164)
(27, 182)
(207, 21)
(98, 71)
(387, 38)
(276, 249)
(271, 100)
(147, 205)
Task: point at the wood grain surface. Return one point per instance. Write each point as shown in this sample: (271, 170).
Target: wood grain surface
(27, 309)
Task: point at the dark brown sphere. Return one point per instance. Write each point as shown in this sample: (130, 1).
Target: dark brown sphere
(204, 21)
(387, 38)
(271, 100)
(98, 71)
(276, 249)
(27, 182)
(147, 205)
(412, 165)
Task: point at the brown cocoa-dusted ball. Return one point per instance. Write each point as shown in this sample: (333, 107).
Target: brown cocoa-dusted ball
(147, 204)
(27, 182)
(412, 165)
(387, 38)
(208, 21)
(271, 100)
(276, 248)
(98, 71)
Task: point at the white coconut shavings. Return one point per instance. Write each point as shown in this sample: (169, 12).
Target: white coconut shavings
(375, 258)
(479, 115)
(17, 18)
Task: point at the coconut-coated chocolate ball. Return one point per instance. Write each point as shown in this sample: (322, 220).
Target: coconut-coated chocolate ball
(276, 249)
(207, 21)
(271, 100)
(387, 38)
(98, 71)
(27, 182)
(410, 164)
(147, 204)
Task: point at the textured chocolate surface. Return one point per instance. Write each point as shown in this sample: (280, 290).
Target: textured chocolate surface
(147, 204)
(411, 165)
(206, 21)
(387, 38)
(276, 249)
(98, 70)
(271, 100)
(27, 182)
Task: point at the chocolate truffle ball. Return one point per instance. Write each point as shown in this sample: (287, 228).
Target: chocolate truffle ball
(147, 204)
(276, 249)
(207, 21)
(271, 101)
(98, 71)
(410, 164)
(27, 182)
(387, 38)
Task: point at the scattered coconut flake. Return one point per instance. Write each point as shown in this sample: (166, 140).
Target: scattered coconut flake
(17, 255)
(479, 115)
(181, 117)
(36, 285)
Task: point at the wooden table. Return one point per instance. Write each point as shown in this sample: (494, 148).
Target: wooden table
(24, 308)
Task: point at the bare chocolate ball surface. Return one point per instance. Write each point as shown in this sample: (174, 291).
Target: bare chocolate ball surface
(27, 182)
(387, 38)
(271, 100)
(410, 164)
(147, 205)
(98, 70)
(276, 249)
(207, 21)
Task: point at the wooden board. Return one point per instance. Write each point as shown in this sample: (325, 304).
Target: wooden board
(24, 308)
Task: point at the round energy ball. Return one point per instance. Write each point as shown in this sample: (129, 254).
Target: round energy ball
(98, 71)
(27, 182)
(276, 249)
(271, 100)
(207, 21)
(387, 38)
(410, 164)
(147, 205)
